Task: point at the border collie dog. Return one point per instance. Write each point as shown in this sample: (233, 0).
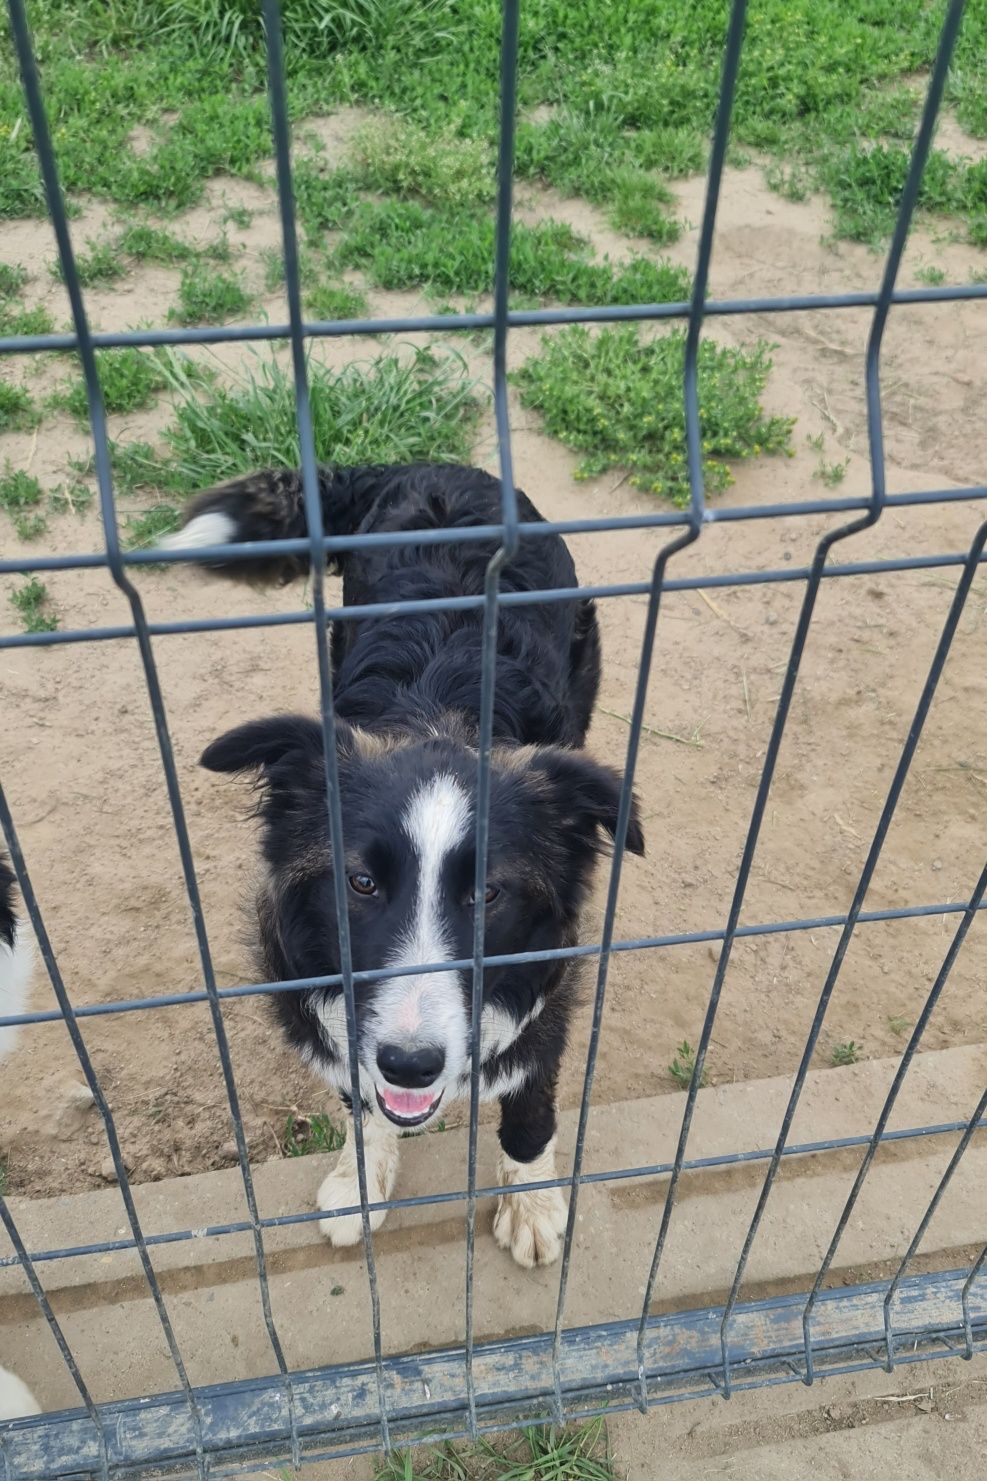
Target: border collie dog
(15, 973)
(407, 702)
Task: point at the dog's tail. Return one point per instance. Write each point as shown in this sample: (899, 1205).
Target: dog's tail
(270, 506)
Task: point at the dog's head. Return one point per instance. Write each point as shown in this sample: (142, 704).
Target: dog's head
(409, 825)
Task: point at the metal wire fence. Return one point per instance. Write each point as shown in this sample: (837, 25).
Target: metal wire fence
(564, 1372)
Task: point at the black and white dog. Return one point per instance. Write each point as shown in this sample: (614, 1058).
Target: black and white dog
(15, 975)
(407, 700)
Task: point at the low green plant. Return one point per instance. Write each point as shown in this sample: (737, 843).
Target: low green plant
(34, 606)
(306, 1134)
(208, 296)
(129, 379)
(617, 398)
(683, 1066)
(831, 474)
(845, 1054)
(18, 413)
(397, 157)
(100, 262)
(574, 1453)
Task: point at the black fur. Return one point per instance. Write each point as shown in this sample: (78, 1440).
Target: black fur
(8, 918)
(407, 696)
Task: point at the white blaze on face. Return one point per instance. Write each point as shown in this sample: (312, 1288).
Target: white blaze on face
(428, 1008)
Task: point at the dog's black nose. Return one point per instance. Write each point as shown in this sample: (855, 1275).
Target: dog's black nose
(412, 1069)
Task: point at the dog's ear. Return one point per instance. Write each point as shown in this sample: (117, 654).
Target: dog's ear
(589, 792)
(261, 744)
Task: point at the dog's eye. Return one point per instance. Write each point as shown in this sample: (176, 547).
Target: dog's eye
(362, 884)
(489, 897)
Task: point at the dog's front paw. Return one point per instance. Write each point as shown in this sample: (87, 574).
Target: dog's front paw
(531, 1226)
(341, 1190)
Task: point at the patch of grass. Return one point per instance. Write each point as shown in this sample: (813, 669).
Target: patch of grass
(327, 300)
(238, 216)
(930, 275)
(397, 157)
(683, 1066)
(16, 320)
(575, 1453)
(34, 606)
(145, 530)
(20, 496)
(844, 1054)
(642, 207)
(130, 379)
(305, 1134)
(13, 277)
(99, 263)
(831, 474)
(71, 498)
(898, 1023)
(617, 398)
(18, 412)
(156, 244)
(207, 296)
(387, 410)
(403, 244)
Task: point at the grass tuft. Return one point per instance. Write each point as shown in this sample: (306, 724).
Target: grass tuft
(845, 1054)
(18, 412)
(682, 1067)
(20, 495)
(208, 296)
(99, 263)
(306, 1134)
(129, 378)
(397, 157)
(617, 398)
(575, 1453)
(34, 606)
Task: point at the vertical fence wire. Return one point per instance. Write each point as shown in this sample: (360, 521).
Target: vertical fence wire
(972, 1126)
(975, 1271)
(317, 559)
(693, 430)
(109, 1127)
(40, 1296)
(509, 539)
(97, 418)
(911, 1048)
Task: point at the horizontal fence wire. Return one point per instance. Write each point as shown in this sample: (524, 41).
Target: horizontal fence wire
(473, 1409)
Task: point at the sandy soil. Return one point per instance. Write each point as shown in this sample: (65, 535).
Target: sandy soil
(80, 762)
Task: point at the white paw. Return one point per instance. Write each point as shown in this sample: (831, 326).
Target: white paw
(341, 1190)
(531, 1225)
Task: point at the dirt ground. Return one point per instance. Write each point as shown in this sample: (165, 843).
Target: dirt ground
(80, 764)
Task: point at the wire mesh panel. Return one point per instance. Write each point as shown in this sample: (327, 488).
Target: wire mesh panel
(568, 1370)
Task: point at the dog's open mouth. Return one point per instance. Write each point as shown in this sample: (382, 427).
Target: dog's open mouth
(407, 1107)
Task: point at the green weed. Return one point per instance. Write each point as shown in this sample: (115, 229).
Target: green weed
(403, 244)
(575, 1453)
(326, 301)
(845, 1054)
(34, 607)
(129, 378)
(305, 1134)
(155, 244)
(898, 1023)
(206, 296)
(20, 495)
(384, 411)
(683, 1066)
(13, 277)
(18, 412)
(25, 321)
(617, 398)
(931, 276)
(99, 263)
(396, 157)
(238, 216)
(831, 474)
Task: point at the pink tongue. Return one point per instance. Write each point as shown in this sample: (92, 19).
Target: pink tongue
(406, 1102)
